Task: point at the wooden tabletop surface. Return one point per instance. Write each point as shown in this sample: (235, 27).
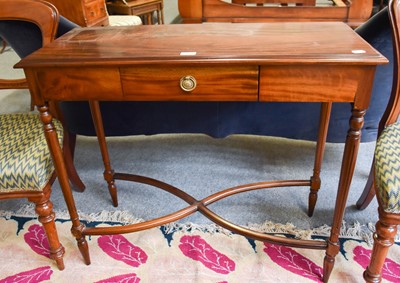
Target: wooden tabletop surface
(258, 43)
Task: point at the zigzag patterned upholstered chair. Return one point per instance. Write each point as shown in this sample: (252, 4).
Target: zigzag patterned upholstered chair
(26, 171)
(387, 165)
(24, 37)
(26, 168)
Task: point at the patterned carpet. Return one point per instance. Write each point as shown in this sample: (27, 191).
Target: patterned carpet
(167, 254)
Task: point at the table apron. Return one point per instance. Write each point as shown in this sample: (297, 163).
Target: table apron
(285, 83)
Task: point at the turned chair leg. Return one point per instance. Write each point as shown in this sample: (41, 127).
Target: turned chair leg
(44, 208)
(383, 240)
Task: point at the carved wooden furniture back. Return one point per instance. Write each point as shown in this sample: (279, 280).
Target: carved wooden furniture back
(354, 13)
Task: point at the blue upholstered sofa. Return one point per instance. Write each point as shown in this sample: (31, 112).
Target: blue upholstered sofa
(219, 119)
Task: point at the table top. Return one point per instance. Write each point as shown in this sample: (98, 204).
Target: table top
(216, 43)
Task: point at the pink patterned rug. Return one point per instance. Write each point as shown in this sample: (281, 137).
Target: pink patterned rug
(176, 256)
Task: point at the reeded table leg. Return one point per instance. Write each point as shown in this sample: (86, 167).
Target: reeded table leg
(346, 174)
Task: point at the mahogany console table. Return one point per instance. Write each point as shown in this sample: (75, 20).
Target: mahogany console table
(302, 62)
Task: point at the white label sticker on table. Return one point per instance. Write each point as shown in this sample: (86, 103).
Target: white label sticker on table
(192, 53)
(358, 51)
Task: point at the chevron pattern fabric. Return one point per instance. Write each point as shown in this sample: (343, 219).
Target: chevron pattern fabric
(25, 161)
(387, 168)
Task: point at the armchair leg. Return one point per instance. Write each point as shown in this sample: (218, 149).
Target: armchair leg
(69, 151)
(369, 191)
(68, 148)
(383, 240)
(44, 208)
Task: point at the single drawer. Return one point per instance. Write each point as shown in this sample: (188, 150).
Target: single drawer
(199, 83)
(79, 83)
(311, 83)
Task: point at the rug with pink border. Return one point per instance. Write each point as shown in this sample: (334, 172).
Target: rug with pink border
(179, 253)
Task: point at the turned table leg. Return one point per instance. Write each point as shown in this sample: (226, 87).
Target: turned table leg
(108, 171)
(346, 174)
(319, 155)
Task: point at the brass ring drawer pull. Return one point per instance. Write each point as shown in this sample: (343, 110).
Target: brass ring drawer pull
(188, 83)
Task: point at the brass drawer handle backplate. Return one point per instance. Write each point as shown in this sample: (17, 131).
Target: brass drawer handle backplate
(188, 83)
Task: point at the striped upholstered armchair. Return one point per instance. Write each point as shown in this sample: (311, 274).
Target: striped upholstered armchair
(387, 165)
